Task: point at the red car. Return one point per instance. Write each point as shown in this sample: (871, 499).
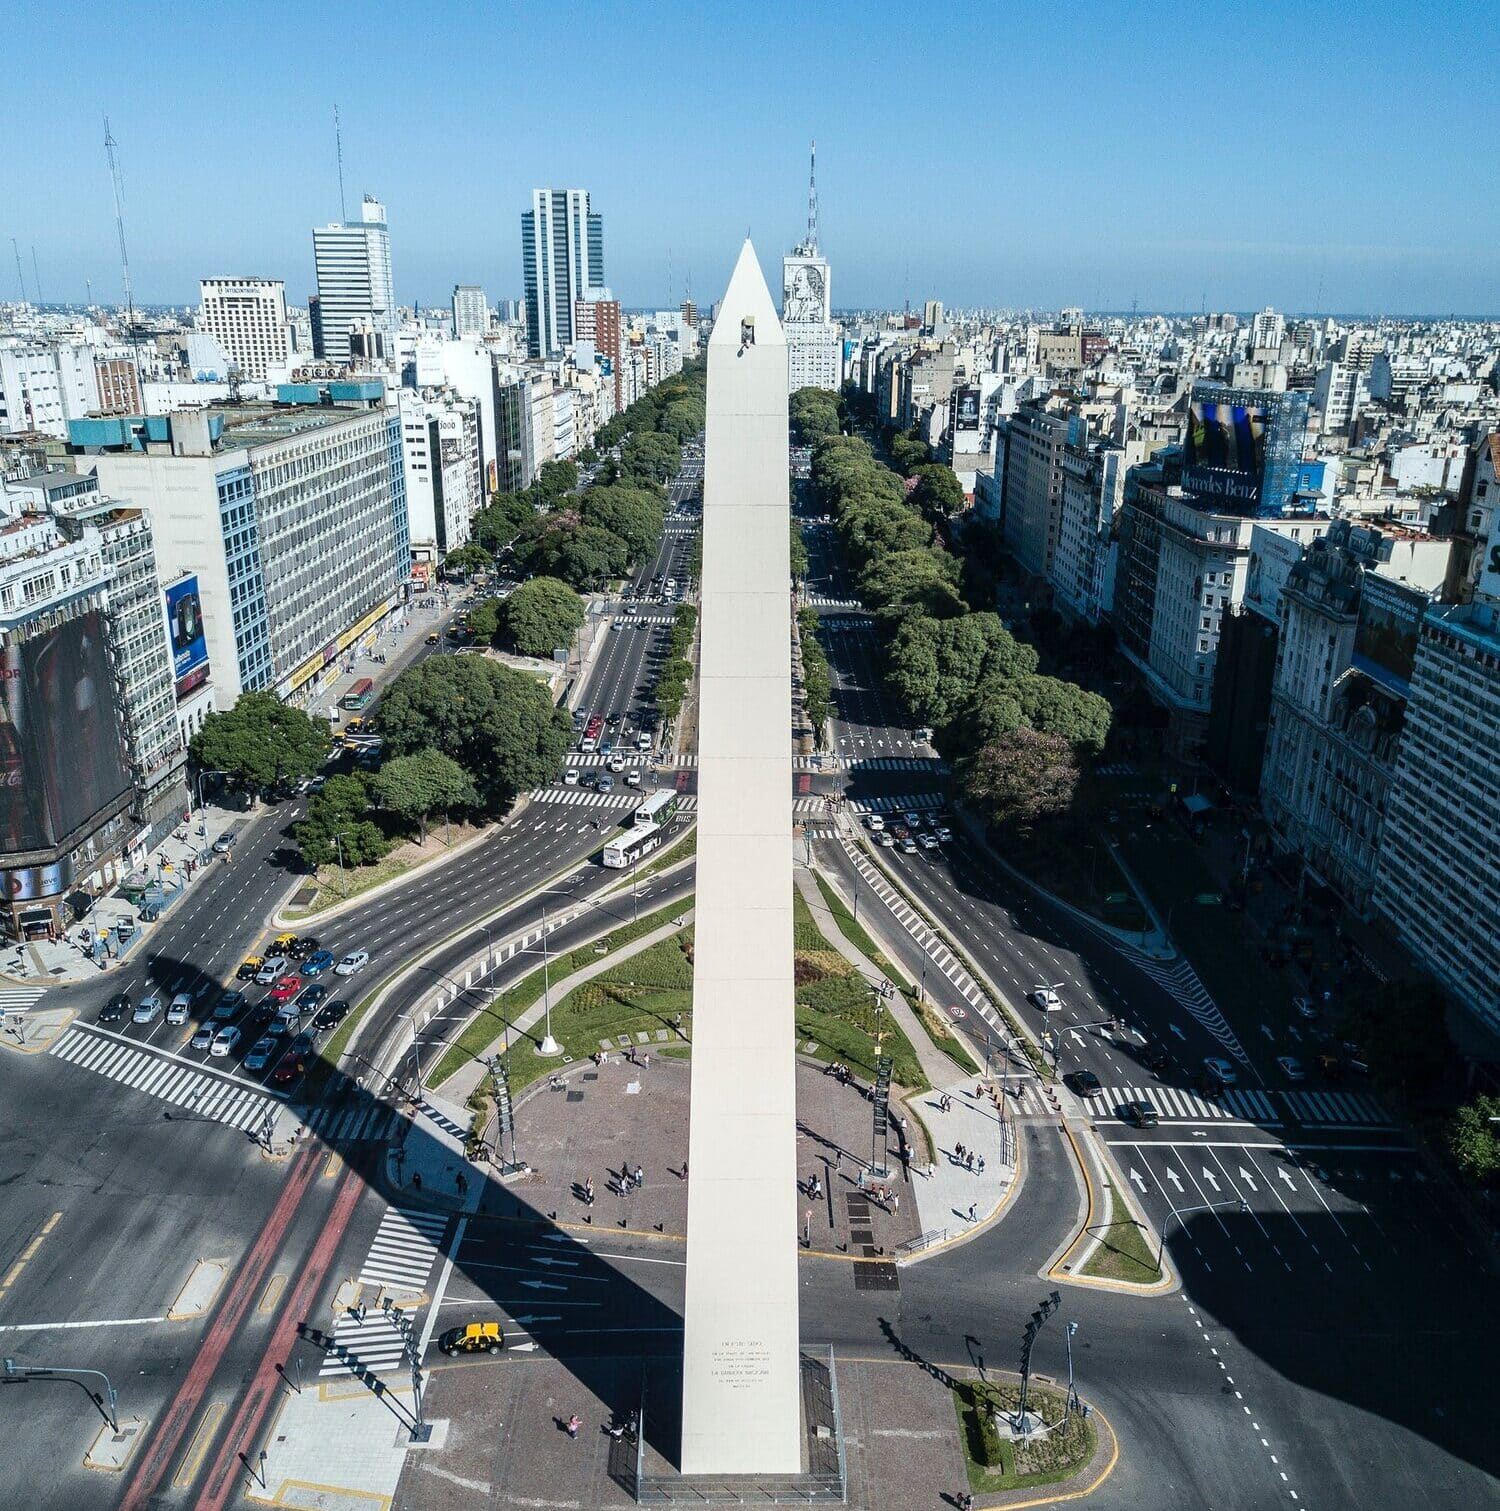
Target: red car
(288, 1068)
(286, 989)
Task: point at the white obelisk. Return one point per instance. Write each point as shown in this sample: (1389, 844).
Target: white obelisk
(741, 1409)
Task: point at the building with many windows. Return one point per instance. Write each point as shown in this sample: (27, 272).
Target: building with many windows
(247, 317)
(291, 515)
(441, 455)
(471, 311)
(355, 290)
(562, 258)
(1438, 876)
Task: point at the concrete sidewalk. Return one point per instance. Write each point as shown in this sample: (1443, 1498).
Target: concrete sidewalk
(951, 1190)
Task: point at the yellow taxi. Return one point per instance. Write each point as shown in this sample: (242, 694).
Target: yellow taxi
(473, 1338)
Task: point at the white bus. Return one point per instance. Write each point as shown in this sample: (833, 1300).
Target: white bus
(658, 809)
(631, 846)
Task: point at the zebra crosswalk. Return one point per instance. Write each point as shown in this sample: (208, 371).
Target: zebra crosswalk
(582, 797)
(869, 763)
(915, 800)
(202, 1092)
(1173, 1103)
(16, 999)
(819, 601)
(1115, 768)
(350, 1125)
(1329, 1109)
(401, 1257)
(630, 757)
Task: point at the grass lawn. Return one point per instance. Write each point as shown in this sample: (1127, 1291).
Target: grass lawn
(1076, 867)
(335, 887)
(850, 927)
(997, 1464)
(1123, 1253)
(489, 1024)
(1170, 867)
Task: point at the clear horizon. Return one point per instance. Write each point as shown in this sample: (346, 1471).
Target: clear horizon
(1094, 196)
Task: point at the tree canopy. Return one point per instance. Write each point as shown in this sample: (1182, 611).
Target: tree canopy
(541, 616)
(1474, 1138)
(260, 741)
(466, 559)
(1021, 777)
(416, 786)
(340, 812)
(814, 414)
(652, 454)
(938, 490)
(562, 545)
(554, 479)
(497, 723)
(500, 521)
(634, 514)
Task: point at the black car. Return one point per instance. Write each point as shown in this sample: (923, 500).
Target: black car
(1156, 1058)
(332, 1015)
(115, 1010)
(312, 997)
(302, 1046)
(304, 947)
(1082, 1083)
(1140, 1114)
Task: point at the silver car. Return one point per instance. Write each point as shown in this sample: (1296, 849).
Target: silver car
(260, 1053)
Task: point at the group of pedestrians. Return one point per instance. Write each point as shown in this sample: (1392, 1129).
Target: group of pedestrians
(971, 1161)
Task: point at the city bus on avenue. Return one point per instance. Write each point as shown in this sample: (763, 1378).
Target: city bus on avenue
(658, 809)
(631, 846)
(358, 696)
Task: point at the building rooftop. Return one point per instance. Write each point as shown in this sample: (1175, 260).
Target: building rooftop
(1478, 623)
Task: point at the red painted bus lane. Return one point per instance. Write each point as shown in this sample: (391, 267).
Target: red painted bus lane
(221, 1332)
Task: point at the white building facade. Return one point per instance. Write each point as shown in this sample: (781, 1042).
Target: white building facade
(355, 289)
(247, 317)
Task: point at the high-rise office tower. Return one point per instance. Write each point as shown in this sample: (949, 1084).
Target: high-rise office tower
(471, 314)
(353, 264)
(562, 256)
(247, 317)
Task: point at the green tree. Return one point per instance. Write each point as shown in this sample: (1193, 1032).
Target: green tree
(1474, 1139)
(562, 545)
(541, 616)
(925, 579)
(497, 723)
(501, 520)
(414, 787)
(682, 419)
(484, 620)
(1063, 708)
(467, 560)
(814, 415)
(938, 490)
(934, 665)
(338, 828)
(1022, 777)
(261, 741)
(908, 453)
(634, 514)
(587, 457)
(800, 562)
(652, 455)
(554, 479)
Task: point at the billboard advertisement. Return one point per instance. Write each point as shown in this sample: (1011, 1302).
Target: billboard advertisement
(61, 760)
(185, 628)
(1385, 641)
(1272, 558)
(1226, 453)
(966, 409)
(1489, 568)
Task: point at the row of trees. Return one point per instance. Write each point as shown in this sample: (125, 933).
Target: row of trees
(814, 415)
(677, 670)
(541, 616)
(817, 681)
(1018, 739)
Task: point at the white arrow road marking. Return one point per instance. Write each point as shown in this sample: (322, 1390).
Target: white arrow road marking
(1248, 1179)
(522, 1348)
(527, 1320)
(1076, 1037)
(542, 1285)
(548, 1260)
(1172, 1176)
(1286, 1176)
(565, 1238)
(1267, 1032)
(1177, 1031)
(1135, 1176)
(1210, 1177)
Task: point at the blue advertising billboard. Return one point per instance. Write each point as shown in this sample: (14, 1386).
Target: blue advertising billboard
(1390, 625)
(185, 628)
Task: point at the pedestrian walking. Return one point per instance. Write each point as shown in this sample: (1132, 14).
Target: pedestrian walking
(462, 1182)
(969, 1161)
(416, 1180)
(574, 1423)
(638, 1176)
(973, 1212)
(895, 1202)
(980, 1165)
(958, 1149)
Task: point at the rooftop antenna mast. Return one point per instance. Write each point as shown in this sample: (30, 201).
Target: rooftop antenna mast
(20, 277)
(338, 138)
(812, 200)
(36, 276)
(114, 175)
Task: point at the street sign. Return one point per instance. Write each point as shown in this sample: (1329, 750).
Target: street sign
(1210, 899)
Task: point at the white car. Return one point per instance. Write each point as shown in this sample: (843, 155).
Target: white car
(1221, 1070)
(643, 741)
(913, 820)
(182, 1004)
(632, 778)
(570, 777)
(1291, 1067)
(1046, 998)
(224, 1041)
(355, 961)
(927, 841)
(273, 968)
(617, 763)
(874, 823)
(203, 1038)
(885, 839)
(943, 832)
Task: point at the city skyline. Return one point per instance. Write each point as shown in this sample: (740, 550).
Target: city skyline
(1105, 211)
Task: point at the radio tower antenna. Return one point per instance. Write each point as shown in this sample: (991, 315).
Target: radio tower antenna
(114, 175)
(20, 276)
(36, 276)
(812, 199)
(338, 138)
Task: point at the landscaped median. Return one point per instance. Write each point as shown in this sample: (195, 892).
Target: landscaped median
(1063, 1445)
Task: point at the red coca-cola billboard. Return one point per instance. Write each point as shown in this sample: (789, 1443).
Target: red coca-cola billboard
(61, 756)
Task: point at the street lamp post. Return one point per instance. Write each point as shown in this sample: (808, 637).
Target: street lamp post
(1072, 1399)
(549, 1045)
(338, 850)
(1180, 1212)
(108, 1400)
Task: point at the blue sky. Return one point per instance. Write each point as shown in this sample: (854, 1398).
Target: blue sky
(1309, 155)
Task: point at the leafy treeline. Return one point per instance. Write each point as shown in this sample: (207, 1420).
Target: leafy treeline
(586, 539)
(817, 683)
(814, 414)
(953, 667)
(677, 670)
